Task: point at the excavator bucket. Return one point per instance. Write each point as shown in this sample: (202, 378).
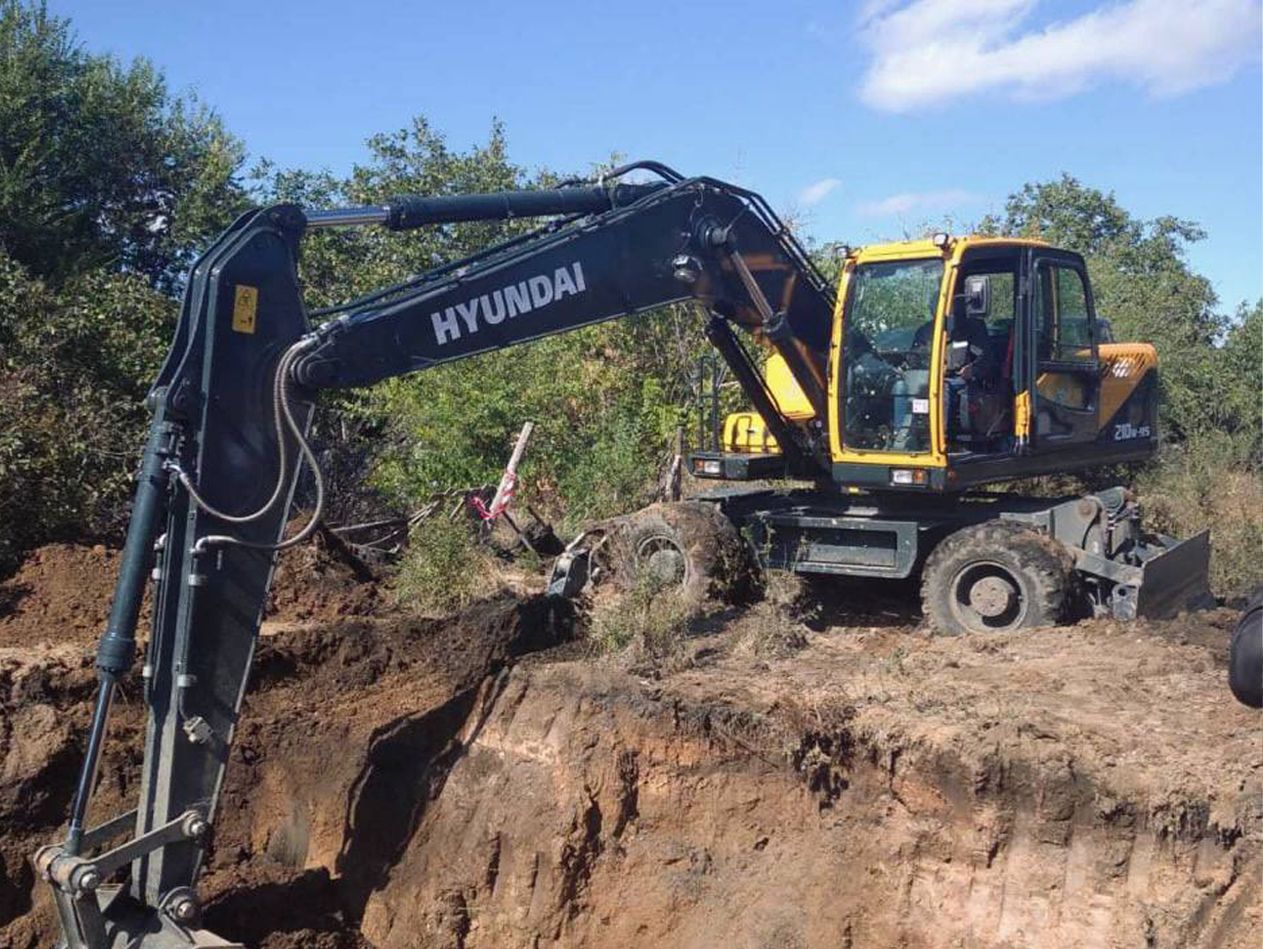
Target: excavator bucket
(1176, 578)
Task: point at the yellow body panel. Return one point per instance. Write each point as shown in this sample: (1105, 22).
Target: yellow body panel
(746, 433)
(786, 391)
(1123, 365)
(1022, 416)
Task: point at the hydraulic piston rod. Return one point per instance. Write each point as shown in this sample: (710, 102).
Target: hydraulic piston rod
(412, 211)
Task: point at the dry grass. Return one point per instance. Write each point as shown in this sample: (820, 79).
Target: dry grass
(768, 631)
(1201, 487)
(444, 567)
(652, 620)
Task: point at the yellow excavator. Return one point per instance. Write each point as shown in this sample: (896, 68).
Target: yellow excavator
(938, 368)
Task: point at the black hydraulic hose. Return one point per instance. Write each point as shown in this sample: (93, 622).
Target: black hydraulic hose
(278, 400)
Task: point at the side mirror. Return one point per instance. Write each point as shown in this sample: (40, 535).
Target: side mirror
(978, 295)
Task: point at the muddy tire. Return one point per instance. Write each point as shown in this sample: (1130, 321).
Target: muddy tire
(685, 546)
(996, 577)
(1245, 656)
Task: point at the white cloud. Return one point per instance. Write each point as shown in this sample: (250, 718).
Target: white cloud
(922, 201)
(818, 191)
(931, 51)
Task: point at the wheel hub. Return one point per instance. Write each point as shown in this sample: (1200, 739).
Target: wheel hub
(987, 597)
(992, 596)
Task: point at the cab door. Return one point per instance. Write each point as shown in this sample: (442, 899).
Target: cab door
(1063, 375)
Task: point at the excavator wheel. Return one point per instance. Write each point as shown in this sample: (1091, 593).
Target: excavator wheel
(996, 577)
(685, 546)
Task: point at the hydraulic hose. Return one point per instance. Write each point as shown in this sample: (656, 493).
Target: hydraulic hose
(283, 415)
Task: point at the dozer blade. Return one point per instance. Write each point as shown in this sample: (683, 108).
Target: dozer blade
(1177, 578)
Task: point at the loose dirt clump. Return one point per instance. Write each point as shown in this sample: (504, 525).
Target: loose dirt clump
(323, 581)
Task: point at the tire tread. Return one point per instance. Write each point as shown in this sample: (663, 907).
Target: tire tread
(1045, 563)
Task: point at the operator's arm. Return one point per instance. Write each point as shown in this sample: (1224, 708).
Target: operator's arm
(981, 364)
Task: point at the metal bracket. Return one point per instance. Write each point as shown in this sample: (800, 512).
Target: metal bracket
(75, 875)
(198, 731)
(75, 879)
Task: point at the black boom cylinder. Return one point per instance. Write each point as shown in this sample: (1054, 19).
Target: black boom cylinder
(408, 212)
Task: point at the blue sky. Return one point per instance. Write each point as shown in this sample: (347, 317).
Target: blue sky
(865, 120)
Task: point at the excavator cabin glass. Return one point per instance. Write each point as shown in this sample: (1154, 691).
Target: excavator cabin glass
(889, 334)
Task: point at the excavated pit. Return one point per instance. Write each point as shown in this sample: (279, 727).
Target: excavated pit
(475, 782)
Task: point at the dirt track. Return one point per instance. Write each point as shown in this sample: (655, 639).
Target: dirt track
(471, 782)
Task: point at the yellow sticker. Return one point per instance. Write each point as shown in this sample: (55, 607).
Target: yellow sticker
(244, 308)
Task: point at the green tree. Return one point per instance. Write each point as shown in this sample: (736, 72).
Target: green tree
(1241, 377)
(108, 185)
(100, 166)
(74, 368)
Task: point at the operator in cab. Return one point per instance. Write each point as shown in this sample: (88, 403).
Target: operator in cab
(977, 405)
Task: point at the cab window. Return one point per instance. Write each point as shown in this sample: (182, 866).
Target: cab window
(889, 331)
(1063, 325)
(1065, 349)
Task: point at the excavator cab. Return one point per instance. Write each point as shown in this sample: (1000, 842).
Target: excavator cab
(960, 362)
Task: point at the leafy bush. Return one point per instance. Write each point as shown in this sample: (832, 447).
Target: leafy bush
(107, 186)
(74, 367)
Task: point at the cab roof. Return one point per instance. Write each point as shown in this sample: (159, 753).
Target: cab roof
(938, 247)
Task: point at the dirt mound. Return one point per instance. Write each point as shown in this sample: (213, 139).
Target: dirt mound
(353, 710)
(61, 593)
(323, 581)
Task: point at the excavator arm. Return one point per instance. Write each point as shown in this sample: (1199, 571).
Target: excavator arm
(231, 410)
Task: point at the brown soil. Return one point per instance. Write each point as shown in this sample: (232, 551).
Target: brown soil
(402, 782)
(62, 593)
(323, 581)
